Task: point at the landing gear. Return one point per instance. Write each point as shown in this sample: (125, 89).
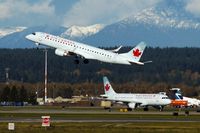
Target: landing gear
(76, 61)
(161, 108)
(129, 109)
(37, 45)
(86, 61)
(146, 109)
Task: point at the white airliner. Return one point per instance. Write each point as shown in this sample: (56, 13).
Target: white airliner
(134, 100)
(65, 47)
(191, 102)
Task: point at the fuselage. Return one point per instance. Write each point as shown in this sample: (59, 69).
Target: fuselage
(68, 46)
(144, 99)
(192, 101)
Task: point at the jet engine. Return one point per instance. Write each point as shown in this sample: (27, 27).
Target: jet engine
(132, 105)
(61, 52)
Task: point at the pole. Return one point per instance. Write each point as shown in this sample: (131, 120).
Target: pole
(7, 75)
(45, 81)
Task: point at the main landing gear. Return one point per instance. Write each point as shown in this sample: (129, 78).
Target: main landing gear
(146, 109)
(129, 109)
(76, 61)
(85, 61)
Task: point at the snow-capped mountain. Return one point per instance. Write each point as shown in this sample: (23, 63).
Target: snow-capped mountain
(80, 32)
(161, 18)
(165, 25)
(9, 30)
(168, 24)
(166, 14)
(18, 40)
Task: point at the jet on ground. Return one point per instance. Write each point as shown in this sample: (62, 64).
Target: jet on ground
(134, 100)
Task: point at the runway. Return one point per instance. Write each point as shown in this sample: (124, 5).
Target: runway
(33, 120)
(92, 111)
(89, 115)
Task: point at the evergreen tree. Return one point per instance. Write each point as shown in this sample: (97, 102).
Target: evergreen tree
(14, 97)
(23, 96)
(32, 99)
(5, 95)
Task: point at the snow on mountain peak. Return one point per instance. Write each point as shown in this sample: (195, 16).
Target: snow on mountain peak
(162, 17)
(10, 30)
(81, 31)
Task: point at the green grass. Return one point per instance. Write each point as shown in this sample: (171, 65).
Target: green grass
(174, 127)
(95, 127)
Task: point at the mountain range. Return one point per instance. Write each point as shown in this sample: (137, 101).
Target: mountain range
(167, 24)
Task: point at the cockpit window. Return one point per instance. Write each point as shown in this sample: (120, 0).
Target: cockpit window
(33, 33)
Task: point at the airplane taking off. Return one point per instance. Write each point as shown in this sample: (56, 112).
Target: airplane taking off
(135, 100)
(65, 47)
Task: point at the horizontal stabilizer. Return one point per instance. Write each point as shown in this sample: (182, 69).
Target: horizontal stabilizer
(147, 62)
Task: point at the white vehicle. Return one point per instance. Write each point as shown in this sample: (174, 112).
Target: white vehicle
(135, 100)
(191, 102)
(65, 47)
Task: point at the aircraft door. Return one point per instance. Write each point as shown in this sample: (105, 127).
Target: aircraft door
(40, 37)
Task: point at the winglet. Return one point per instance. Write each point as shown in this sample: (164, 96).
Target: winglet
(117, 49)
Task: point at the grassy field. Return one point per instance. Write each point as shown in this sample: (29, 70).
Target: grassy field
(35, 112)
(174, 127)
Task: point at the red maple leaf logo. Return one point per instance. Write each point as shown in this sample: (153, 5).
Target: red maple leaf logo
(137, 53)
(107, 87)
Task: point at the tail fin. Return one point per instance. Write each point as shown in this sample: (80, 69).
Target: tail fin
(135, 54)
(107, 87)
(178, 96)
(177, 93)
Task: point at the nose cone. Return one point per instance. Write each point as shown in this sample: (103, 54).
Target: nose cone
(168, 101)
(29, 37)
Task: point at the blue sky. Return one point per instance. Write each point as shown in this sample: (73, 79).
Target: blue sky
(74, 12)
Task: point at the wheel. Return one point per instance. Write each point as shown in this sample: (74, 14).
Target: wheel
(161, 108)
(86, 61)
(129, 109)
(146, 109)
(76, 61)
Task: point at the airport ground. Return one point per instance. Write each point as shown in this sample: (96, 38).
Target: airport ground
(96, 119)
(107, 127)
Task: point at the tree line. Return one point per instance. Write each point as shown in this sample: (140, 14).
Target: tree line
(171, 67)
(16, 95)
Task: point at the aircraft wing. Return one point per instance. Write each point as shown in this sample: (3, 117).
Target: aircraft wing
(104, 95)
(124, 101)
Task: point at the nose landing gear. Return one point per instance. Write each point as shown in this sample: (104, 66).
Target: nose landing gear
(85, 61)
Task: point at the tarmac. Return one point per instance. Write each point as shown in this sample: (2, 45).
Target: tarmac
(24, 120)
(96, 119)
